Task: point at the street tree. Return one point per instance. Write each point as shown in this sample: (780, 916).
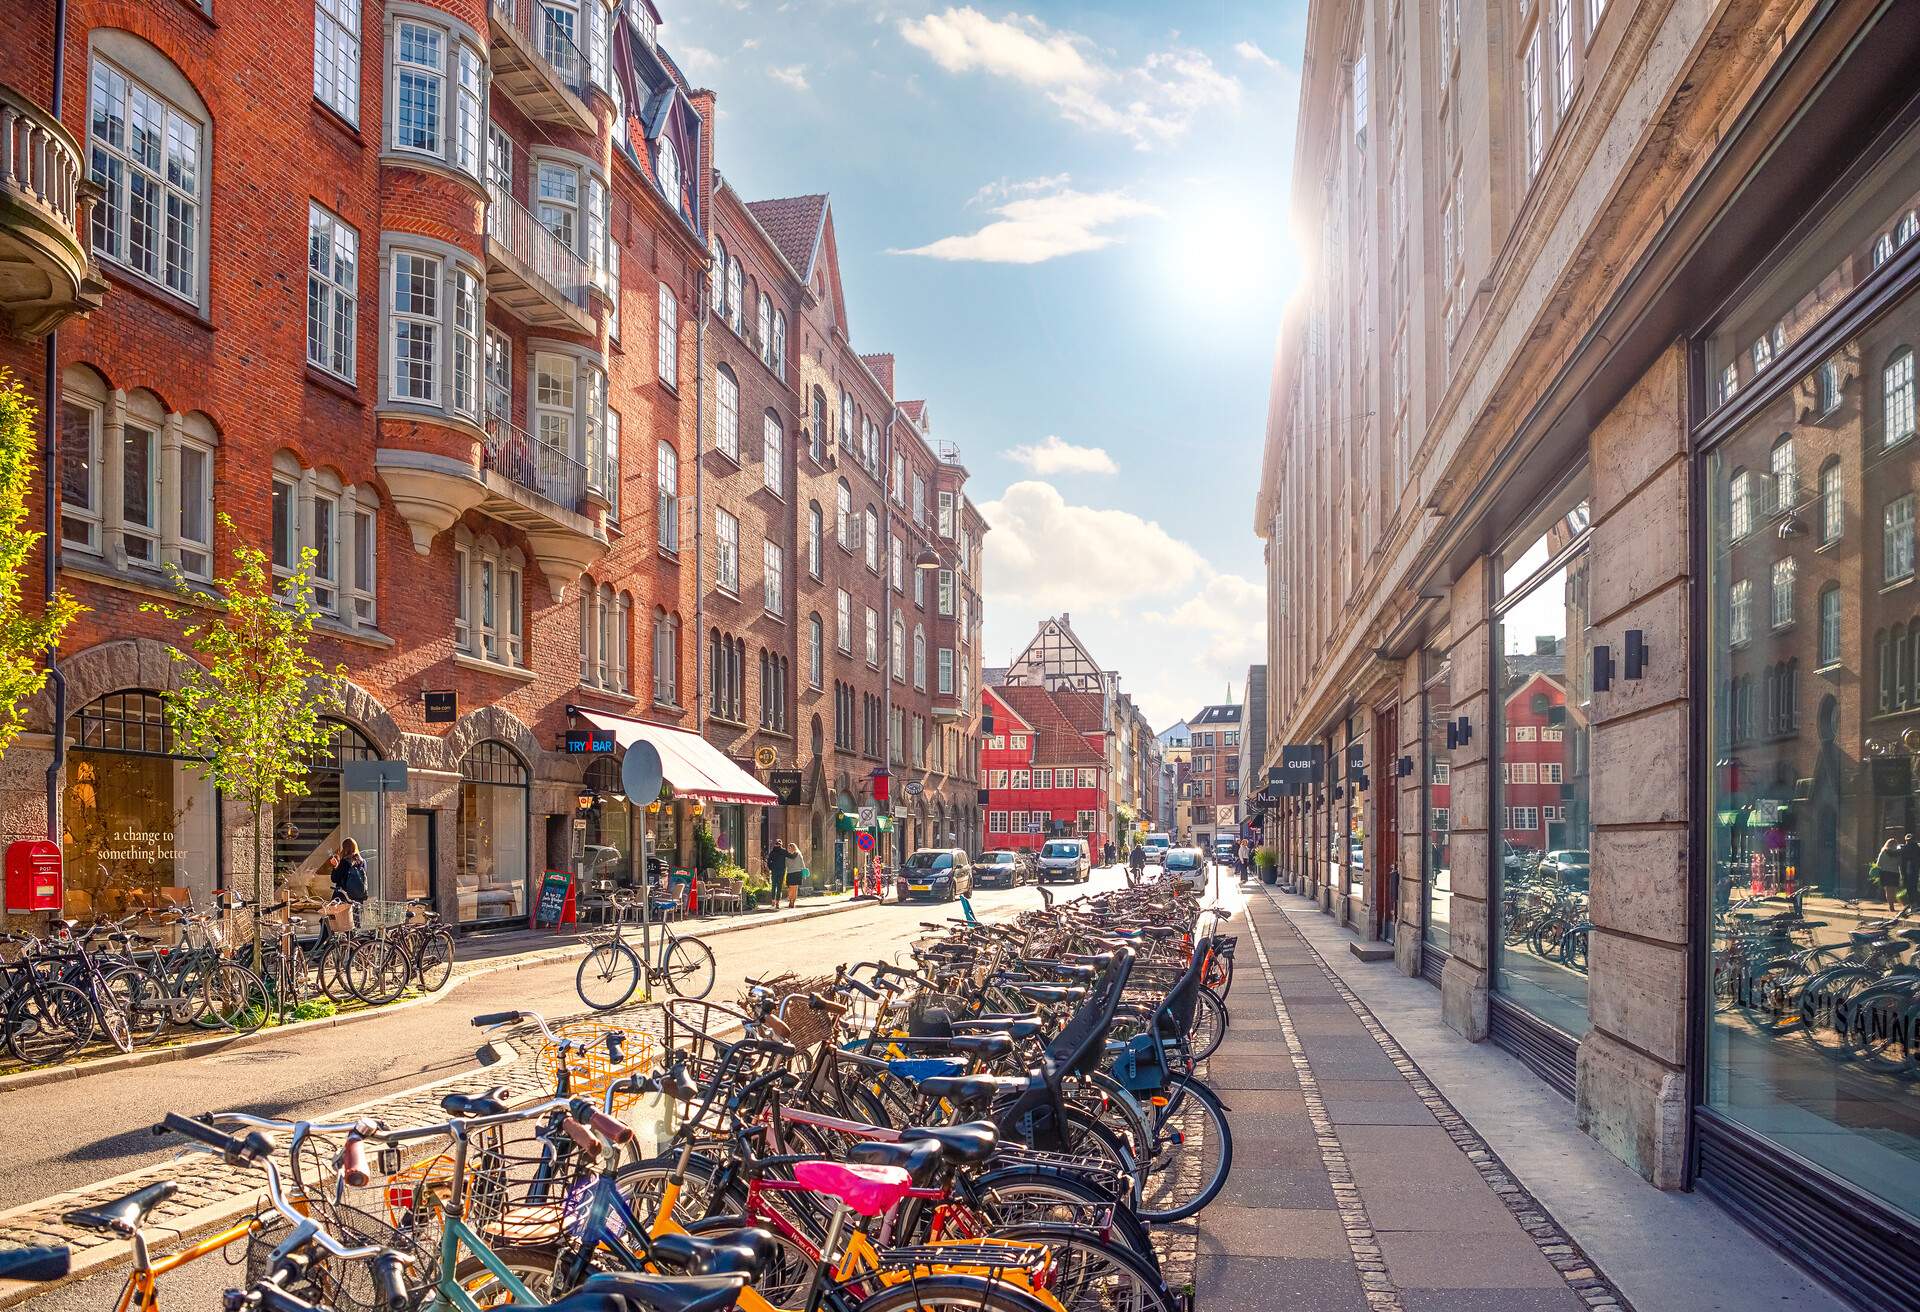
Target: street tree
(26, 637)
(247, 711)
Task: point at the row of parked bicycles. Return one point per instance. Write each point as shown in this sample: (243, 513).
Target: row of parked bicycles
(1542, 913)
(131, 982)
(996, 1126)
(1855, 998)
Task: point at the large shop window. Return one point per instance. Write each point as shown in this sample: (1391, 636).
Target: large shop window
(140, 826)
(1439, 790)
(1543, 676)
(492, 868)
(609, 842)
(1813, 1029)
(307, 830)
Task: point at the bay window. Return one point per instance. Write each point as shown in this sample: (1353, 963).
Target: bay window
(434, 311)
(146, 151)
(557, 201)
(437, 88)
(136, 482)
(946, 671)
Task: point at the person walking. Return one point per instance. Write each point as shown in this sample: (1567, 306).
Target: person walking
(777, 870)
(347, 871)
(796, 870)
(1886, 868)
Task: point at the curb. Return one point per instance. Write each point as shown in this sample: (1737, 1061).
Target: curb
(222, 1042)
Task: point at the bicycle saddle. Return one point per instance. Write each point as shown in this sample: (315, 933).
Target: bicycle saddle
(741, 1252)
(917, 1157)
(624, 1291)
(1049, 992)
(965, 1090)
(1866, 937)
(988, 1046)
(868, 1190)
(1016, 1028)
(1073, 970)
(125, 1213)
(973, 1141)
(490, 1103)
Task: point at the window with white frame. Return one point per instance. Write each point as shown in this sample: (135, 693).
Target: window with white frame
(772, 453)
(666, 658)
(1532, 102)
(555, 401)
(919, 500)
(333, 277)
(870, 524)
(336, 56)
(1897, 540)
(843, 621)
(136, 483)
(434, 349)
(726, 537)
(816, 651)
(946, 592)
(1897, 393)
(1088, 779)
(489, 578)
(1830, 624)
(778, 357)
(946, 515)
(145, 155)
(1782, 581)
(1785, 476)
(843, 521)
(773, 581)
(1740, 514)
(1740, 612)
(1044, 778)
(436, 81)
(669, 338)
(814, 528)
(763, 325)
(873, 638)
(717, 277)
(667, 476)
(896, 562)
(919, 658)
(1023, 779)
(946, 671)
(666, 167)
(606, 625)
(556, 201)
(898, 647)
(727, 414)
(736, 296)
(996, 822)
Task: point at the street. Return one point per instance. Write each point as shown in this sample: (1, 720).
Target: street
(325, 1071)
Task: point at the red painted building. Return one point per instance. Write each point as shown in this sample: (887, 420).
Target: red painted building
(1045, 775)
(1534, 765)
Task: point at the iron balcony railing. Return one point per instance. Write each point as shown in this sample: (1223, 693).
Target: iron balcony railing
(547, 257)
(521, 457)
(553, 31)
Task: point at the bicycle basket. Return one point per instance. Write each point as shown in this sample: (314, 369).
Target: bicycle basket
(343, 1286)
(518, 1186)
(613, 1052)
(810, 1021)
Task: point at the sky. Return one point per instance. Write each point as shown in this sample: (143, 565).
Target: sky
(1069, 224)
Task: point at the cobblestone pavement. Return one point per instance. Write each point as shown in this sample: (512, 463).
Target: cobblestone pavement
(1355, 1185)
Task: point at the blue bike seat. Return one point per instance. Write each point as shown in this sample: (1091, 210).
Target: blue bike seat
(917, 1069)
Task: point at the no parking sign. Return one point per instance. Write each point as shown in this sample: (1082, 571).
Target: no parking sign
(863, 841)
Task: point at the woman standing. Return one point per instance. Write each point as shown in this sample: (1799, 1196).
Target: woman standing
(348, 870)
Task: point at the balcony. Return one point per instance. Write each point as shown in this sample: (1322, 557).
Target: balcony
(46, 275)
(538, 65)
(530, 272)
(520, 480)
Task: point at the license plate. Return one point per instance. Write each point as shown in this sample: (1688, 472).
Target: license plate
(919, 888)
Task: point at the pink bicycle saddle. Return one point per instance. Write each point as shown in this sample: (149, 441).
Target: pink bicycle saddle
(867, 1189)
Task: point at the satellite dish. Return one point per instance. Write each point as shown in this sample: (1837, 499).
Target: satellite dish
(640, 774)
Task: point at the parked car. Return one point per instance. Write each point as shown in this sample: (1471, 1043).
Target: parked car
(1570, 865)
(1157, 846)
(939, 873)
(1066, 858)
(1002, 868)
(1186, 864)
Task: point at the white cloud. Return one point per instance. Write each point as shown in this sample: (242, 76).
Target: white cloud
(1039, 227)
(1007, 189)
(1051, 455)
(793, 75)
(751, 43)
(697, 60)
(1252, 53)
(1154, 102)
(1053, 555)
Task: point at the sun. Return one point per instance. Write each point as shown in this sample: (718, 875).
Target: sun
(1232, 253)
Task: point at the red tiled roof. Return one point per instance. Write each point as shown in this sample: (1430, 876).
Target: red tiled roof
(882, 366)
(794, 224)
(1060, 741)
(1085, 710)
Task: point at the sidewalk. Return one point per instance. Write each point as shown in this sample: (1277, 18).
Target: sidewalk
(1355, 1186)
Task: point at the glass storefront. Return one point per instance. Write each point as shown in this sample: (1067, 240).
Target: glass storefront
(1543, 679)
(491, 869)
(1355, 819)
(140, 826)
(611, 834)
(307, 830)
(1439, 827)
(1813, 1039)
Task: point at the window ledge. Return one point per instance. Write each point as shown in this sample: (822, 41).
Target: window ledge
(1896, 585)
(369, 635)
(340, 387)
(151, 583)
(773, 615)
(124, 278)
(486, 666)
(339, 122)
(731, 594)
(669, 554)
(727, 456)
(605, 694)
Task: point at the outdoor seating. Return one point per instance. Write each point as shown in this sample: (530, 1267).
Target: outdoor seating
(720, 894)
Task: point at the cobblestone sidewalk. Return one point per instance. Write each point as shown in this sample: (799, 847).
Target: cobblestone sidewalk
(1355, 1186)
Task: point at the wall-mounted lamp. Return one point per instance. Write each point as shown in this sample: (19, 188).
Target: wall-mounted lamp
(1459, 733)
(1602, 668)
(1403, 767)
(1636, 653)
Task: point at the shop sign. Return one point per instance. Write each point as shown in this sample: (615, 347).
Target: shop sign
(442, 707)
(1892, 776)
(1299, 765)
(1356, 759)
(556, 900)
(596, 742)
(787, 785)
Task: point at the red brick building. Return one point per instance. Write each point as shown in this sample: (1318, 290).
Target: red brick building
(1046, 772)
(441, 318)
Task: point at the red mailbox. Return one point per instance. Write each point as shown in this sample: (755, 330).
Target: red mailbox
(33, 876)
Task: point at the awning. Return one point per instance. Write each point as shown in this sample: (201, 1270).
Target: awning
(694, 766)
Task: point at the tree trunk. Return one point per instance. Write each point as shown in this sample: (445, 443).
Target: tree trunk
(258, 900)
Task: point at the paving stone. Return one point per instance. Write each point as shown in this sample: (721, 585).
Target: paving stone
(1252, 1284)
(1273, 1232)
(1285, 1187)
(1266, 1102)
(1379, 1111)
(1491, 1300)
(1465, 1261)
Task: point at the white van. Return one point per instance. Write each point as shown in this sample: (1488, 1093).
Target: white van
(1065, 858)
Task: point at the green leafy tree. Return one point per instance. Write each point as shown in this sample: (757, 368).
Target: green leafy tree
(249, 705)
(25, 637)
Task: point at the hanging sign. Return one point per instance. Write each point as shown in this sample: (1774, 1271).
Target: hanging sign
(442, 707)
(787, 785)
(1299, 765)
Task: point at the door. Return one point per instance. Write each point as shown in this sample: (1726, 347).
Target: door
(1386, 810)
(421, 860)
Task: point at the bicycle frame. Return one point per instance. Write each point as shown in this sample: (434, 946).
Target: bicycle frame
(141, 1293)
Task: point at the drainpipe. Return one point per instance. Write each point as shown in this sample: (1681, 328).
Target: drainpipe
(699, 504)
(49, 468)
(886, 637)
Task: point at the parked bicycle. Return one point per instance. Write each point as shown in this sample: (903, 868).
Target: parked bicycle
(615, 968)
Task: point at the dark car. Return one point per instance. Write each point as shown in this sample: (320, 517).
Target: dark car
(1002, 868)
(938, 873)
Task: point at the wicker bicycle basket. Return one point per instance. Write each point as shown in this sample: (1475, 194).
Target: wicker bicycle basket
(612, 1052)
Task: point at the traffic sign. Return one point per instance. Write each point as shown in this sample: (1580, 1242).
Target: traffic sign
(868, 815)
(863, 840)
(640, 773)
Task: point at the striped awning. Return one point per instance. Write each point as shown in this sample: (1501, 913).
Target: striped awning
(694, 766)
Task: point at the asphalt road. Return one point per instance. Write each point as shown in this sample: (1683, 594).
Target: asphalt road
(67, 1135)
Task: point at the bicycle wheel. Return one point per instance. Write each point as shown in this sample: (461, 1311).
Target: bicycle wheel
(433, 960)
(608, 975)
(331, 970)
(689, 968)
(111, 1019)
(1044, 1195)
(236, 999)
(378, 972)
(1095, 1275)
(951, 1293)
(48, 1022)
(1192, 1152)
(531, 1264)
(1209, 1024)
(138, 996)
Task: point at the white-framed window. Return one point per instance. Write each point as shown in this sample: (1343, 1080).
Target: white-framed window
(1018, 821)
(1897, 540)
(555, 401)
(843, 520)
(1830, 618)
(873, 638)
(920, 588)
(1551, 772)
(919, 658)
(1563, 53)
(666, 167)
(667, 476)
(727, 413)
(919, 500)
(599, 267)
(1022, 779)
(816, 651)
(772, 453)
(843, 621)
(433, 330)
(1740, 504)
(336, 56)
(900, 477)
(898, 648)
(777, 360)
(870, 524)
(736, 295)
(1044, 778)
(1785, 476)
(773, 581)
(763, 326)
(945, 603)
(1532, 102)
(490, 579)
(162, 464)
(1897, 391)
(145, 155)
(1442, 771)
(666, 658)
(1782, 582)
(669, 338)
(333, 296)
(1552, 735)
(1833, 505)
(556, 201)
(946, 671)
(726, 537)
(1740, 612)
(437, 82)
(1526, 818)
(946, 515)
(606, 623)
(1088, 779)
(996, 822)
(896, 561)
(814, 528)
(1525, 733)
(1019, 741)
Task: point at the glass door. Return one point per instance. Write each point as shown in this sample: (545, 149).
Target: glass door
(420, 857)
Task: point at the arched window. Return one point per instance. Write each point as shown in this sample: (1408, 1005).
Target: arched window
(843, 514)
(919, 658)
(779, 357)
(717, 277)
(1830, 624)
(870, 534)
(716, 675)
(726, 413)
(899, 648)
(1833, 506)
(817, 438)
(816, 650)
(1897, 393)
(490, 882)
(666, 166)
(1739, 504)
(814, 525)
(1785, 478)
(736, 299)
(764, 323)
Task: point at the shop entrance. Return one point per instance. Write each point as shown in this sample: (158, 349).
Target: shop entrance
(1385, 863)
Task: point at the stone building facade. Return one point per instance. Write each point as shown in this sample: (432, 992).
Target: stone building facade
(1589, 524)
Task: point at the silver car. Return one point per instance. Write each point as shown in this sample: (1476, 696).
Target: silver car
(1065, 858)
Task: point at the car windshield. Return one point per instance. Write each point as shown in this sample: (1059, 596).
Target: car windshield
(994, 859)
(1183, 860)
(930, 861)
(1061, 849)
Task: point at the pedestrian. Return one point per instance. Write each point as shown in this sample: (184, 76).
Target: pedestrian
(347, 870)
(796, 871)
(1886, 869)
(777, 870)
(1909, 870)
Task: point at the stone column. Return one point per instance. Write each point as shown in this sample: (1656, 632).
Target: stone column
(1463, 985)
(1631, 1093)
(113, 492)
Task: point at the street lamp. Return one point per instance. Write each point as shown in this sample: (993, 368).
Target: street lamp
(926, 559)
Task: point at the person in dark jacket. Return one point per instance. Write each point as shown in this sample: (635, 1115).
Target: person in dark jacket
(777, 870)
(349, 876)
